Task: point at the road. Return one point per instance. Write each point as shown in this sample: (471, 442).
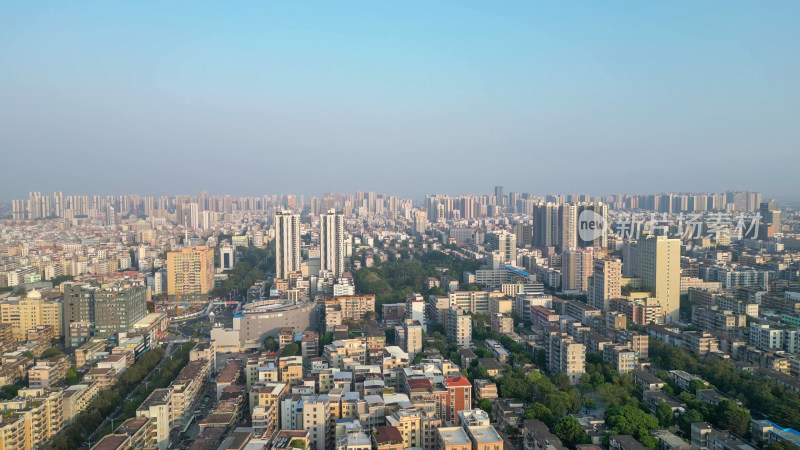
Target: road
(171, 347)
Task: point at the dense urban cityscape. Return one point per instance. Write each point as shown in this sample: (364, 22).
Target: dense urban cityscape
(371, 322)
(417, 225)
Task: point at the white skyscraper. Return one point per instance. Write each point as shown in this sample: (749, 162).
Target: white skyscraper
(331, 237)
(287, 243)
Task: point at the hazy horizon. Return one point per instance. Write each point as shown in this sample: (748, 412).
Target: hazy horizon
(405, 99)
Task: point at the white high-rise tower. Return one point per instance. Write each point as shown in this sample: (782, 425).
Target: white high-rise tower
(331, 237)
(287, 243)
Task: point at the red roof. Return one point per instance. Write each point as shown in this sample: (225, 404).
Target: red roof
(419, 383)
(388, 434)
(457, 382)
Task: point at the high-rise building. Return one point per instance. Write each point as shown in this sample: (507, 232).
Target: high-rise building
(564, 354)
(30, 312)
(605, 283)
(420, 221)
(117, 308)
(458, 398)
(506, 244)
(601, 210)
(412, 337)
(190, 270)
(415, 309)
(498, 196)
(316, 415)
(287, 243)
(546, 225)
(459, 327)
(227, 257)
(524, 234)
(568, 217)
(78, 313)
(770, 220)
(576, 267)
(331, 237)
(659, 266)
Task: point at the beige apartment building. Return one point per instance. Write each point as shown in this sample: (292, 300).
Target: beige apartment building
(605, 283)
(29, 313)
(659, 267)
(190, 270)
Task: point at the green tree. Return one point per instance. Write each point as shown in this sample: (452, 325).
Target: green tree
(630, 420)
(270, 344)
(695, 385)
(664, 415)
(512, 387)
(486, 405)
(50, 352)
(291, 350)
(559, 402)
(540, 412)
(686, 420)
(72, 376)
(588, 403)
(737, 420)
(561, 381)
(60, 279)
(571, 433)
(391, 336)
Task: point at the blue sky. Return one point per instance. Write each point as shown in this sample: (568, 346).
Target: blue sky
(406, 97)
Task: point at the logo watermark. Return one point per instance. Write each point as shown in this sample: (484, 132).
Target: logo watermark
(688, 226)
(591, 225)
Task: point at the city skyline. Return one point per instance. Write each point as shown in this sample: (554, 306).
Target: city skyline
(387, 226)
(406, 100)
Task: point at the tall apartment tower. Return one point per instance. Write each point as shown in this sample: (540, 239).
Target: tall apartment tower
(546, 225)
(190, 270)
(524, 233)
(331, 237)
(576, 268)
(287, 243)
(568, 216)
(420, 221)
(498, 196)
(506, 244)
(564, 354)
(659, 266)
(601, 209)
(606, 283)
(770, 220)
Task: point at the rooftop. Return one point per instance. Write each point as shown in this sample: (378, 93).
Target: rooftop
(484, 434)
(385, 435)
(454, 436)
(110, 442)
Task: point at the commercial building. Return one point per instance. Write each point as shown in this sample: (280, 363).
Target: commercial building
(117, 308)
(78, 309)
